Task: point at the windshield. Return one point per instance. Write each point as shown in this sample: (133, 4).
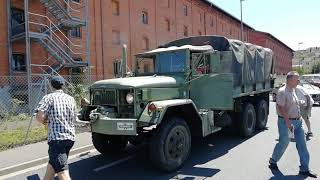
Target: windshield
(162, 63)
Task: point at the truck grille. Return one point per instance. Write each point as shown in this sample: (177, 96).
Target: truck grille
(110, 97)
(104, 97)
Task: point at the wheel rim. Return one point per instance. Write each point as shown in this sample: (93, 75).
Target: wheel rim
(176, 143)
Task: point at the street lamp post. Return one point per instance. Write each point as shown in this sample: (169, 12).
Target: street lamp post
(299, 52)
(241, 20)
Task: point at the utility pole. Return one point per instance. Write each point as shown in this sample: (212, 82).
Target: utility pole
(241, 20)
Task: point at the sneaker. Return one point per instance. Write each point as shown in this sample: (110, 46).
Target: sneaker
(309, 134)
(308, 173)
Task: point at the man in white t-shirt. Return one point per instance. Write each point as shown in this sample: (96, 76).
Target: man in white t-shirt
(305, 107)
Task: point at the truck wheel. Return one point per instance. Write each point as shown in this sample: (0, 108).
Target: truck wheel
(107, 144)
(262, 114)
(171, 145)
(248, 120)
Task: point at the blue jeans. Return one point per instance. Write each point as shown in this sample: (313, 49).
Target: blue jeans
(284, 140)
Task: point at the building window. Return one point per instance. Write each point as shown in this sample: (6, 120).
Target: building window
(115, 37)
(75, 32)
(115, 8)
(144, 17)
(145, 43)
(185, 31)
(77, 1)
(211, 23)
(18, 62)
(200, 17)
(185, 10)
(167, 22)
(200, 33)
(17, 21)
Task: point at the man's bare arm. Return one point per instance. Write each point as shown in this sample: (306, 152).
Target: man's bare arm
(41, 117)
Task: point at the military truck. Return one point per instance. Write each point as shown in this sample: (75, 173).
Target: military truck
(185, 89)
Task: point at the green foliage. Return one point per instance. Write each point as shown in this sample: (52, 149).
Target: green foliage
(300, 70)
(315, 68)
(78, 91)
(14, 138)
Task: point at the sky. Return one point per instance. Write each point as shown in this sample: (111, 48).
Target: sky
(291, 21)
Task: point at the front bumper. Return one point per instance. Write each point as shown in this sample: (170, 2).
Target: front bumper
(115, 126)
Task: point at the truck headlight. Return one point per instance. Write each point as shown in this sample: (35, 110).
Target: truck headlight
(129, 98)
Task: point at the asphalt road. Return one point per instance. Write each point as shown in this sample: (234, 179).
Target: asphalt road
(219, 156)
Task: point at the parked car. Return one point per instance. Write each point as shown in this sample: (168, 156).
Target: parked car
(313, 79)
(314, 91)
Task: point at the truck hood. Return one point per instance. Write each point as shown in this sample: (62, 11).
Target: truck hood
(140, 82)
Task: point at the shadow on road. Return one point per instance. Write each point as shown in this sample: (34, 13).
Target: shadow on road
(139, 167)
(278, 175)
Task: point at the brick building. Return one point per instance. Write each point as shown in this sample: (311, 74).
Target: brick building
(140, 24)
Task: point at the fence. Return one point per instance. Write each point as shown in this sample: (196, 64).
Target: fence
(16, 102)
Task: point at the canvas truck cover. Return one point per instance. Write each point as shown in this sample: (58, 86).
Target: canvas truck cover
(250, 63)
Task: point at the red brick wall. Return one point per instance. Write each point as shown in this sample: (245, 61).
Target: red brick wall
(132, 30)
(3, 40)
(103, 51)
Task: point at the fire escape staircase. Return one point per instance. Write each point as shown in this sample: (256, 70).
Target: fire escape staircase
(51, 36)
(62, 10)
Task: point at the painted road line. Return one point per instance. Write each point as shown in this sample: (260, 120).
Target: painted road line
(114, 163)
(32, 163)
(13, 174)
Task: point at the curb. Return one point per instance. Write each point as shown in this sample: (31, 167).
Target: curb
(39, 161)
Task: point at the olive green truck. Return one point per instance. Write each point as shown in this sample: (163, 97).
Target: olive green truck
(185, 89)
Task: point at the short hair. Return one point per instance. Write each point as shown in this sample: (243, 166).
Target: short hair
(57, 82)
(292, 74)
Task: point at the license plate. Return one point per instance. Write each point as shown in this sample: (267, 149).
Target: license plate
(125, 126)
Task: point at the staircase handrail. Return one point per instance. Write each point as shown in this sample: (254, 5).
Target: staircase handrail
(60, 40)
(68, 4)
(46, 17)
(54, 72)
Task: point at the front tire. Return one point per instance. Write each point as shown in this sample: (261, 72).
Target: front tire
(170, 146)
(248, 121)
(108, 144)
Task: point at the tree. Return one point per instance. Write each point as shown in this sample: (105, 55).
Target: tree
(300, 70)
(315, 68)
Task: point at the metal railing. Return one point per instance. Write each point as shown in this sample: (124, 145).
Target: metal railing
(52, 34)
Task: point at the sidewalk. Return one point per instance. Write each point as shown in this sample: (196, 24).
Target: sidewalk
(35, 154)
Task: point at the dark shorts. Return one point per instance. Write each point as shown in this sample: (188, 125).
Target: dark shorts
(58, 154)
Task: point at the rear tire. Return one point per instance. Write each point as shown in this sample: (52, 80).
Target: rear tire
(262, 114)
(170, 146)
(108, 144)
(248, 121)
